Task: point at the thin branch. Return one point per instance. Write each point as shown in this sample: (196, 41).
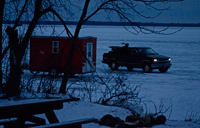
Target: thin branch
(97, 10)
(60, 18)
(21, 13)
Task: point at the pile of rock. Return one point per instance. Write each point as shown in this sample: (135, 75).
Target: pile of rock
(132, 121)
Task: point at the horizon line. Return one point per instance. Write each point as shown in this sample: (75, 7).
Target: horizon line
(111, 23)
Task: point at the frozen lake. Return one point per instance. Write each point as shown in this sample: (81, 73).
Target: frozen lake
(180, 86)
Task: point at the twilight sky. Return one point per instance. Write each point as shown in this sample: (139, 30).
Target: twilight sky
(187, 11)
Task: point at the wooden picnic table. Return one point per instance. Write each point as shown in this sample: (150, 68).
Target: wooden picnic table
(25, 110)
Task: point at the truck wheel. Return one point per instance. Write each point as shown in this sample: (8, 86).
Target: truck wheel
(147, 68)
(163, 70)
(113, 65)
(129, 68)
(53, 72)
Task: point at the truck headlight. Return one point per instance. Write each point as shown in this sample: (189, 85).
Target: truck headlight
(155, 60)
(169, 59)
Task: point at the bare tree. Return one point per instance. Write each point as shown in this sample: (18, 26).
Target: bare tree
(18, 11)
(17, 48)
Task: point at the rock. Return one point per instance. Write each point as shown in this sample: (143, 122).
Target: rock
(131, 118)
(161, 119)
(147, 121)
(109, 120)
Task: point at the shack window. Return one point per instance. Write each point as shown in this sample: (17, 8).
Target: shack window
(55, 47)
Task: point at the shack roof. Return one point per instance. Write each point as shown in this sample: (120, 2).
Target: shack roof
(118, 47)
(60, 37)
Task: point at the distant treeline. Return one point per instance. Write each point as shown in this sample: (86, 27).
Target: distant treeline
(111, 23)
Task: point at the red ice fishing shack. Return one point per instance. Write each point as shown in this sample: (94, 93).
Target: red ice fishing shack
(49, 54)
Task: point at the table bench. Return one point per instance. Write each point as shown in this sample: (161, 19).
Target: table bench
(69, 124)
(25, 110)
(8, 123)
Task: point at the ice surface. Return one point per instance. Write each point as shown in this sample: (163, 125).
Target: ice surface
(179, 87)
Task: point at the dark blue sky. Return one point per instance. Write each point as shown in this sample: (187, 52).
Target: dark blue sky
(187, 11)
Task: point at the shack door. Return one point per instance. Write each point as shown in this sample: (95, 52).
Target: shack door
(89, 55)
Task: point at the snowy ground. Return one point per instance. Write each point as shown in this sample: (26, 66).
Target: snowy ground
(179, 87)
(87, 110)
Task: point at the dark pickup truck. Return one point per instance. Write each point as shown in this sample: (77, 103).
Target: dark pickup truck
(136, 57)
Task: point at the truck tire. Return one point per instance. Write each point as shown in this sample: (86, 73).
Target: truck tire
(163, 70)
(146, 68)
(130, 68)
(53, 72)
(113, 65)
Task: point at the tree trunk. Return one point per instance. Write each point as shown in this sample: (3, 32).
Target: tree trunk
(68, 65)
(2, 3)
(17, 50)
(13, 83)
(72, 50)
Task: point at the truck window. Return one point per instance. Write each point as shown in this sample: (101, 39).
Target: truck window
(134, 52)
(55, 47)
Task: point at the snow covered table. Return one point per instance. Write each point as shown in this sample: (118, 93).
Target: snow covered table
(25, 110)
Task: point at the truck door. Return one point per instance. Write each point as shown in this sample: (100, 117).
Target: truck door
(133, 58)
(89, 55)
(121, 56)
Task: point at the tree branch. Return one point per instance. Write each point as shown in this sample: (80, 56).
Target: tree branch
(99, 8)
(21, 13)
(60, 18)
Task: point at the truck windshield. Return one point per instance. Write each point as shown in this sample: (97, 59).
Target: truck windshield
(147, 51)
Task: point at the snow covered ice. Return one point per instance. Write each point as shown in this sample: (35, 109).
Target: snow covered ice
(179, 87)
